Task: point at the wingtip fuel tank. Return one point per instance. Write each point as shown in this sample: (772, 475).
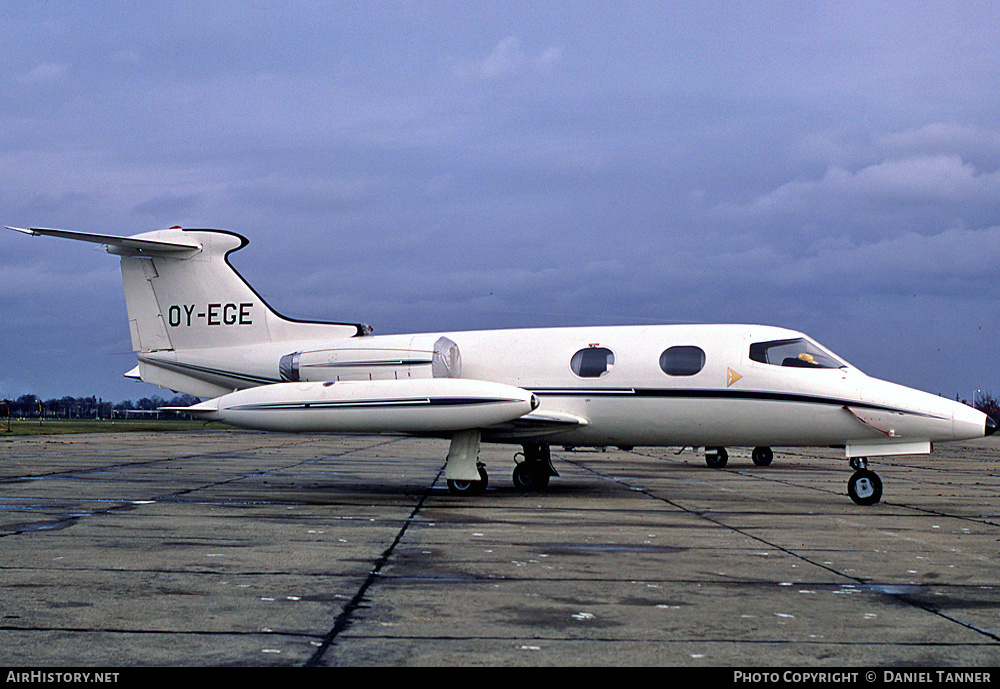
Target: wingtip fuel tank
(434, 405)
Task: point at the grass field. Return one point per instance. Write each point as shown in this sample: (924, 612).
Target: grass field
(62, 426)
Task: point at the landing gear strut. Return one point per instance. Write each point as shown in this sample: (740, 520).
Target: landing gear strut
(464, 474)
(535, 469)
(864, 486)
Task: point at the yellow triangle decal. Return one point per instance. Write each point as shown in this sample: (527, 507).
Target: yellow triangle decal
(732, 377)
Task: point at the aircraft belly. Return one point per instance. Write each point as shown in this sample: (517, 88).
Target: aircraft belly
(697, 421)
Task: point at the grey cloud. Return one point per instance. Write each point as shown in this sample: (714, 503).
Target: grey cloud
(507, 59)
(45, 73)
(427, 166)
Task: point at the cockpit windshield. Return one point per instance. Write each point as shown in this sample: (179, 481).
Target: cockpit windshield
(797, 352)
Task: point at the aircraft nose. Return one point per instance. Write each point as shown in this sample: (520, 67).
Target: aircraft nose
(991, 426)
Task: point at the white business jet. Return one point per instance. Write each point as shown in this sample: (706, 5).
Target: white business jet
(197, 327)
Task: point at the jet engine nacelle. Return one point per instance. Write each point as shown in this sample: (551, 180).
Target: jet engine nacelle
(421, 356)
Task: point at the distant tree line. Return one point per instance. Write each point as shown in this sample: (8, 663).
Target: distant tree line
(33, 407)
(988, 404)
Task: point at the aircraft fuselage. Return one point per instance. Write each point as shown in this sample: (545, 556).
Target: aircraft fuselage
(626, 395)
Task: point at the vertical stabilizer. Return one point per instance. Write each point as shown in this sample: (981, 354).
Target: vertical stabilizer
(193, 319)
(191, 301)
(182, 293)
(195, 299)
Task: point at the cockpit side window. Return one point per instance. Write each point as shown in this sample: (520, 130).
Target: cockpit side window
(796, 352)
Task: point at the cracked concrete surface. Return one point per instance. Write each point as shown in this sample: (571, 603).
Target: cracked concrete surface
(229, 548)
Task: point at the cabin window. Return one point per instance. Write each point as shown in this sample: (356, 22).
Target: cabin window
(592, 362)
(682, 360)
(797, 352)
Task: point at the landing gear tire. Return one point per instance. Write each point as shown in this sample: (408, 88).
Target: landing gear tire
(535, 468)
(716, 457)
(762, 456)
(865, 487)
(530, 476)
(470, 488)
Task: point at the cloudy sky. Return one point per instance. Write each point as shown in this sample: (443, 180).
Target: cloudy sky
(829, 167)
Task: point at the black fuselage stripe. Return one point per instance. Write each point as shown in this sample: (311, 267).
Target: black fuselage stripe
(700, 393)
(374, 404)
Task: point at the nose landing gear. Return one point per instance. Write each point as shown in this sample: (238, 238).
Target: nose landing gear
(864, 487)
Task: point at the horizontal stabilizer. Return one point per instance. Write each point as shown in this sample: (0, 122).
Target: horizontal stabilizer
(128, 244)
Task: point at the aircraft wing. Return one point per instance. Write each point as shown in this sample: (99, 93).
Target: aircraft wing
(537, 423)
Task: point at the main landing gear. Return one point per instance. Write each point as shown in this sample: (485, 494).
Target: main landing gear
(464, 473)
(534, 470)
(864, 486)
(466, 476)
(470, 488)
(716, 457)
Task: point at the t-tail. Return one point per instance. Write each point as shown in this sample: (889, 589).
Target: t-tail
(189, 311)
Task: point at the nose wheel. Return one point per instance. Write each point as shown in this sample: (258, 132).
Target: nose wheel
(864, 487)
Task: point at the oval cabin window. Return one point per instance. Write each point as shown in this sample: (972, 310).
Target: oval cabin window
(592, 362)
(682, 361)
